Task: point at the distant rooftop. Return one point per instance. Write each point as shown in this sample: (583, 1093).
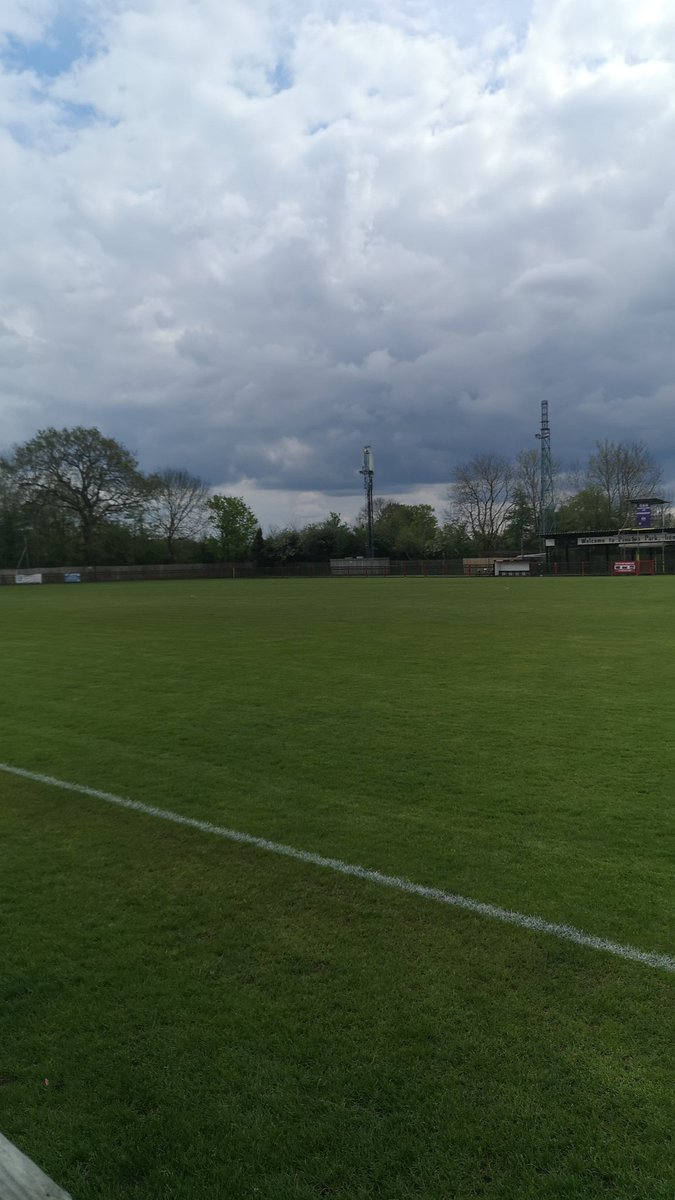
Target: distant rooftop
(648, 500)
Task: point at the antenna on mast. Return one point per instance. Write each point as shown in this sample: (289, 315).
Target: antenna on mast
(368, 471)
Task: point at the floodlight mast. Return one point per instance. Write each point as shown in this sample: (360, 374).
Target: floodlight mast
(546, 492)
(368, 471)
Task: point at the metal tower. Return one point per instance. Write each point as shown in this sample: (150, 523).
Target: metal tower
(368, 471)
(546, 493)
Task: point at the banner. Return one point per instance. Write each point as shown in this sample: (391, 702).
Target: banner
(628, 538)
(34, 578)
(643, 513)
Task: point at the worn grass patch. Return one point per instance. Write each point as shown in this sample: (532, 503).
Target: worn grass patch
(218, 1022)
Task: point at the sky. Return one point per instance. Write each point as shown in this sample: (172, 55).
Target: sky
(249, 238)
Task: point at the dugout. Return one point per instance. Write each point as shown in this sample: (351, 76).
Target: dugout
(505, 564)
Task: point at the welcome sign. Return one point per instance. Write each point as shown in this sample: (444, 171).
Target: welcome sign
(627, 538)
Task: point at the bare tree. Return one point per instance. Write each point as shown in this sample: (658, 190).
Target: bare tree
(528, 479)
(176, 506)
(622, 471)
(379, 504)
(481, 497)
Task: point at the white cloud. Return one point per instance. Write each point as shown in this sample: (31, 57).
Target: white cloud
(252, 238)
(25, 19)
(279, 508)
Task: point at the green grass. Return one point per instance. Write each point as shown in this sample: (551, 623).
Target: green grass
(218, 1022)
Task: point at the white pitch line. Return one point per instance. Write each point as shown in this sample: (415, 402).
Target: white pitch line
(568, 933)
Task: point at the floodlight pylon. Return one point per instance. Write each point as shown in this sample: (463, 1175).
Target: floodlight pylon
(546, 489)
(368, 471)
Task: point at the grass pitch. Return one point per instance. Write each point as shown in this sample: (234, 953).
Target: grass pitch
(217, 1022)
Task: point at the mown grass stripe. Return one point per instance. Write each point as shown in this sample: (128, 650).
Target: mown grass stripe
(568, 933)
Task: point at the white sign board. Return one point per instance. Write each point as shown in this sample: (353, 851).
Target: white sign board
(629, 537)
(34, 578)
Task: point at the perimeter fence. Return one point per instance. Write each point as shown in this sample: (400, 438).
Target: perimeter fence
(227, 570)
(293, 570)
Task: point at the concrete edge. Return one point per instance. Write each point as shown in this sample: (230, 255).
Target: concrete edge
(21, 1179)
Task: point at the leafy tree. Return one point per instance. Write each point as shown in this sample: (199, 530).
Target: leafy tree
(32, 533)
(405, 530)
(451, 541)
(527, 489)
(176, 506)
(481, 498)
(235, 525)
(587, 509)
(282, 546)
(522, 531)
(331, 538)
(51, 536)
(258, 547)
(12, 519)
(621, 471)
(81, 473)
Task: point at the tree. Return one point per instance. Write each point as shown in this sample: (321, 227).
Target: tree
(362, 517)
(621, 471)
(235, 524)
(258, 544)
(527, 494)
(331, 538)
(281, 546)
(176, 506)
(587, 509)
(481, 498)
(522, 531)
(82, 473)
(12, 519)
(406, 530)
(451, 541)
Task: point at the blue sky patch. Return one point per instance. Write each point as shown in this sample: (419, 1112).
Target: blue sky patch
(61, 46)
(281, 76)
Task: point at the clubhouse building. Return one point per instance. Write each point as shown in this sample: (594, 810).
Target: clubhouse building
(645, 547)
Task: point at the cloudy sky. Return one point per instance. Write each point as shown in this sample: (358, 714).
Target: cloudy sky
(247, 237)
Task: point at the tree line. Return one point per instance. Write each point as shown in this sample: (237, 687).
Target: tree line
(73, 496)
(497, 500)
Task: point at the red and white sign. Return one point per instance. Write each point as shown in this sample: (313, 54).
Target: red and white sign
(625, 568)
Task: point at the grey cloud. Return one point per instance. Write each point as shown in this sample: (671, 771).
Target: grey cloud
(481, 218)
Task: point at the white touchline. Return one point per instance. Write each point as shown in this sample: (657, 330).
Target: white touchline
(648, 958)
